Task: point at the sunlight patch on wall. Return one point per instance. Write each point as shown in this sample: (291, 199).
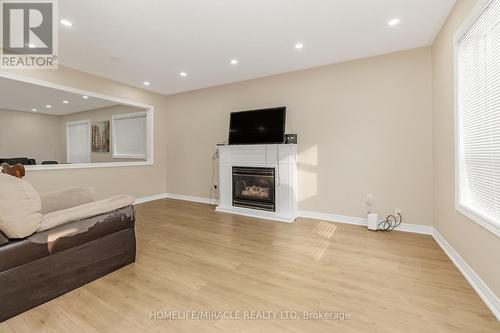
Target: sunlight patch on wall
(307, 173)
(308, 184)
(308, 156)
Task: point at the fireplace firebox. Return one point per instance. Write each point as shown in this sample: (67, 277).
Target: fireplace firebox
(254, 188)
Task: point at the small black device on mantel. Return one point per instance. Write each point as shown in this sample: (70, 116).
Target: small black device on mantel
(265, 126)
(291, 139)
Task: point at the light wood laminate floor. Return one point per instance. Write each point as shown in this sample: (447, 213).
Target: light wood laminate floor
(191, 258)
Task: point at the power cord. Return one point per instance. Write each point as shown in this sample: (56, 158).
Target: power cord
(390, 223)
(214, 190)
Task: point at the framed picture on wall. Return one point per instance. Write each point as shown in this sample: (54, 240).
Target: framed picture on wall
(100, 136)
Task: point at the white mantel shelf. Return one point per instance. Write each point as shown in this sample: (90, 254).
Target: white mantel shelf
(281, 157)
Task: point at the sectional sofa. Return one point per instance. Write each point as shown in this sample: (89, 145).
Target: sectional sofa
(55, 242)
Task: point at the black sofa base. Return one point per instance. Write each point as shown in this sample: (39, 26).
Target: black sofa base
(31, 284)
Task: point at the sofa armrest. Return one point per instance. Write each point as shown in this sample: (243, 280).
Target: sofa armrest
(64, 199)
(85, 211)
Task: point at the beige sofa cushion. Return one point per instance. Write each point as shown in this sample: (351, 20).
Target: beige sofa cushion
(64, 199)
(19, 207)
(95, 208)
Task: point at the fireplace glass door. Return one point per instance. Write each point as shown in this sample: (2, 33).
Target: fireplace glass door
(254, 188)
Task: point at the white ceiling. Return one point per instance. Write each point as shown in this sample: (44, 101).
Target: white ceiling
(21, 96)
(134, 41)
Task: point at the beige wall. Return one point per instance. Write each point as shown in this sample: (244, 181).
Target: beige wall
(31, 135)
(479, 247)
(98, 115)
(363, 126)
(137, 181)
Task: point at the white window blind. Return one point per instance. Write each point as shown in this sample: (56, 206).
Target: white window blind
(130, 135)
(78, 142)
(478, 119)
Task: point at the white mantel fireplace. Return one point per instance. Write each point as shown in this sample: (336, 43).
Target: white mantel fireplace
(259, 181)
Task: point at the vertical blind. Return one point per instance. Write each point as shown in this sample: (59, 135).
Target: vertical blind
(478, 118)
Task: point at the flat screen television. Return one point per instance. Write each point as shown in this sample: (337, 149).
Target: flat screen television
(265, 126)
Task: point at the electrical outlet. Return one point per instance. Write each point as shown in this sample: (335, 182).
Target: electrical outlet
(397, 211)
(369, 199)
(91, 189)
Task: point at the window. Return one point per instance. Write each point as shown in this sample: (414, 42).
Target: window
(478, 118)
(130, 135)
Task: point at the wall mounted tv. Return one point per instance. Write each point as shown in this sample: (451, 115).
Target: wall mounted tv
(265, 126)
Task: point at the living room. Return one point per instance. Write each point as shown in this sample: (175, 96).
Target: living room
(251, 166)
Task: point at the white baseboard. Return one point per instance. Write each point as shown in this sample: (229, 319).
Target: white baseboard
(142, 200)
(413, 228)
(489, 298)
(188, 198)
(332, 217)
(475, 281)
(171, 196)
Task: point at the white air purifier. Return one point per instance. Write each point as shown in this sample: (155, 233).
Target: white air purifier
(373, 222)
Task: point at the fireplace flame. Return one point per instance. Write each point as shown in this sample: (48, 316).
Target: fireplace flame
(255, 191)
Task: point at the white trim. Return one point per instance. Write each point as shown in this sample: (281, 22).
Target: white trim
(478, 9)
(405, 227)
(479, 218)
(461, 207)
(474, 280)
(161, 196)
(486, 294)
(188, 198)
(416, 228)
(130, 157)
(149, 198)
(332, 217)
(89, 140)
(118, 100)
(258, 214)
(85, 166)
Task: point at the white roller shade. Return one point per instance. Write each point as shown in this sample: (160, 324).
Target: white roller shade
(130, 136)
(478, 118)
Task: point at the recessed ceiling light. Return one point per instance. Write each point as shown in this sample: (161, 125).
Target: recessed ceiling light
(183, 74)
(48, 106)
(66, 23)
(299, 46)
(34, 110)
(65, 102)
(394, 22)
(234, 61)
(85, 97)
(146, 83)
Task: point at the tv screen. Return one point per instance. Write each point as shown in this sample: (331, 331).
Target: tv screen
(264, 126)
